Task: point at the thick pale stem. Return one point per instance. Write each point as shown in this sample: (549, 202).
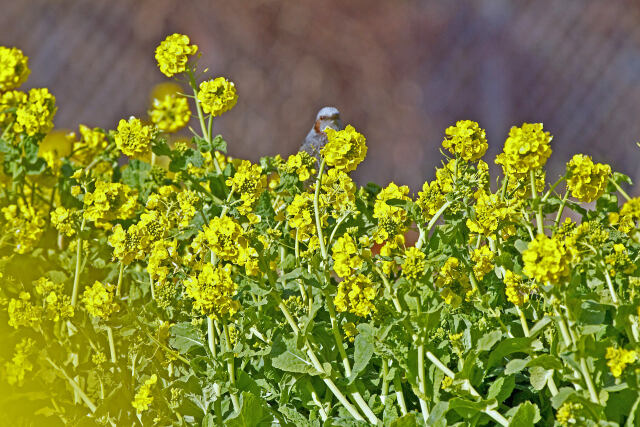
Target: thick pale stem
(523, 322)
(211, 337)
(612, 291)
(397, 385)
(620, 190)
(316, 197)
(76, 277)
(561, 209)
(119, 285)
(112, 346)
(384, 391)
(534, 195)
(231, 369)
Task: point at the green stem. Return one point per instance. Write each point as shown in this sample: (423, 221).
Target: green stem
(561, 209)
(385, 381)
(152, 287)
(76, 387)
(119, 285)
(431, 223)
(316, 196)
(612, 291)
(397, 385)
(112, 347)
(534, 195)
(523, 322)
(422, 384)
(231, 369)
(620, 190)
(316, 400)
(211, 337)
(76, 277)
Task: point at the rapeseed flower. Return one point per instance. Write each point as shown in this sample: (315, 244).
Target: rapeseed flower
(452, 281)
(482, 258)
(14, 69)
(586, 180)
(99, 301)
(171, 113)
(466, 140)
(414, 263)
(356, 294)
(516, 290)
(346, 257)
(143, 397)
(430, 199)
(392, 220)
(212, 291)
(217, 96)
(628, 216)
(248, 182)
(16, 369)
(345, 149)
(619, 358)
(134, 138)
(527, 148)
(173, 53)
(546, 260)
(35, 116)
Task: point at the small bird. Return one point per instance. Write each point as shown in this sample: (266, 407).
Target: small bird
(327, 117)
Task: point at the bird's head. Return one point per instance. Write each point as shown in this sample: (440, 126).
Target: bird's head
(328, 117)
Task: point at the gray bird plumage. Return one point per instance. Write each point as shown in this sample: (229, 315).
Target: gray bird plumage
(327, 117)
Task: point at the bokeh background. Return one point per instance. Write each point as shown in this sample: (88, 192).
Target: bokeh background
(400, 71)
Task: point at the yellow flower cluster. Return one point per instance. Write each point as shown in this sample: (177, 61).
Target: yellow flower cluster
(482, 258)
(350, 331)
(99, 301)
(414, 263)
(9, 102)
(134, 138)
(466, 140)
(300, 164)
(628, 216)
(587, 180)
(619, 358)
(619, 261)
(54, 147)
(161, 251)
(301, 216)
(249, 183)
(453, 282)
(14, 68)
(63, 220)
(110, 201)
(35, 116)
(143, 397)
(569, 414)
(92, 143)
(356, 294)
(492, 212)
(24, 224)
(527, 148)
(173, 53)
(516, 290)
(430, 199)
(16, 369)
(346, 257)
(345, 149)
(58, 305)
(392, 220)
(546, 260)
(23, 313)
(222, 236)
(171, 113)
(213, 290)
(128, 244)
(217, 96)
(338, 192)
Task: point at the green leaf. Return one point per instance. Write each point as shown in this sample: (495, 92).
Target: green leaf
(526, 415)
(545, 361)
(516, 365)
(185, 337)
(488, 340)
(467, 408)
(161, 148)
(219, 144)
(254, 412)
(286, 357)
(501, 388)
(507, 347)
(408, 420)
(539, 376)
(363, 346)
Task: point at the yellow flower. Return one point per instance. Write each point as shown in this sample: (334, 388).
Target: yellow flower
(133, 138)
(618, 359)
(350, 331)
(213, 290)
(546, 260)
(346, 258)
(587, 180)
(35, 116)
(24, 224)
(356, 294)
(300, 164)
(217, 96)
(110, 201)
(301, 216)
(483, 259)
(414, 263)
(58, 305)
(629, 214)
(143, 397)
(171, 113)
(9, 102)
(491, 212)
(14, 68)
(56, 145)
(430, 199)
(527, 148)
(338, 192)
(248, 182)
(222, 235)
(570, 413)
(17, 368)
(99, 300)
(172, 54)
(23, 313)
(516, 290)
(345, 149)
(130, 244)
(391, 219)
(452, 281)
(466, 139)
(93, 142)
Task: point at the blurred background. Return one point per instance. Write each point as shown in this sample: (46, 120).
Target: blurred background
(400, 71)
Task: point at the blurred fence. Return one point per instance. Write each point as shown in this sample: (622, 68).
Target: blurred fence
(400, 71)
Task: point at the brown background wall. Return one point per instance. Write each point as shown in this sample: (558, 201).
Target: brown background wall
(400, 71)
